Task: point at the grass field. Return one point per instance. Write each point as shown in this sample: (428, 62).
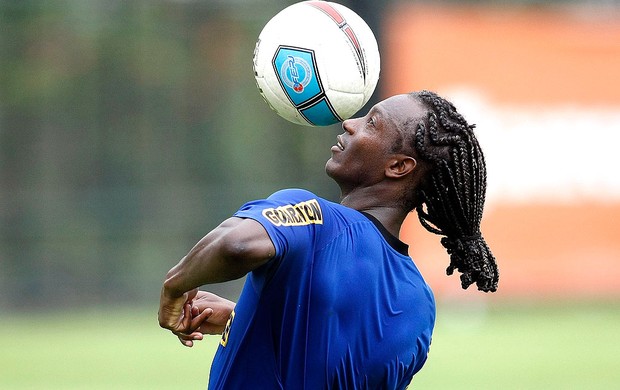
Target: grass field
(507, 347)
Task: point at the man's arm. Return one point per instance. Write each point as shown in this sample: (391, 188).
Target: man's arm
(234, 248)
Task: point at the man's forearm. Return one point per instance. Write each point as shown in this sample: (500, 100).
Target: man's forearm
(228, 252)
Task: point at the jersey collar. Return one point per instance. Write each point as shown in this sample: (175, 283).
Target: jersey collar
(394, 242)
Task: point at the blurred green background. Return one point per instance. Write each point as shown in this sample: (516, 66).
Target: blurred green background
(129, 129)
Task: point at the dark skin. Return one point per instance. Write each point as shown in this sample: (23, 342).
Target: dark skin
(372, 177)
(376, 182)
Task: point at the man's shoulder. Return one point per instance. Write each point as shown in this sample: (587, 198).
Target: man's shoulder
(296, 207)
(298, 197)
(293, 194)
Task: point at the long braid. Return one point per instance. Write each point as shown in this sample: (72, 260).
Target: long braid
(450, 200)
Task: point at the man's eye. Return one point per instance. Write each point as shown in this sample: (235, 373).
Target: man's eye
(371, 121)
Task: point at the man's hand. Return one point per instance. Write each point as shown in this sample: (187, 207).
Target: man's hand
(209, 315)
(220, 311)
(175, 312)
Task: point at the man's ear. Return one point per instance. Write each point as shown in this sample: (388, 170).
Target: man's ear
(400, 165)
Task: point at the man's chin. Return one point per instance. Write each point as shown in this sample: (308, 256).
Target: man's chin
(329, 168)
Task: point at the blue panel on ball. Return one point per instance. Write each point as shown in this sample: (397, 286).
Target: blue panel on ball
(296, 70)
(320, 114)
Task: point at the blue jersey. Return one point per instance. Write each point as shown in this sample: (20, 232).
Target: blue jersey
(340, 306)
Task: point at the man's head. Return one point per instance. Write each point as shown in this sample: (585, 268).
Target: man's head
(420, 151)
(376, 150)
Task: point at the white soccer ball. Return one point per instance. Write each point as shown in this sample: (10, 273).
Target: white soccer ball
(316, 63)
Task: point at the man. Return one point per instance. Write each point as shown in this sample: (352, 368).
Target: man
(332, 299)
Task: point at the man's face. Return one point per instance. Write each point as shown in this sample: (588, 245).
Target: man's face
(362, 152)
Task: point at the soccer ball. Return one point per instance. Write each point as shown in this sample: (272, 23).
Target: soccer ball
(316, 63)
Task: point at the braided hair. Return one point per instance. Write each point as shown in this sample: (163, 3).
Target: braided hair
(450, 199)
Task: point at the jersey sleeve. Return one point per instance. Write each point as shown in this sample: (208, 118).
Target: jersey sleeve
(292, 219)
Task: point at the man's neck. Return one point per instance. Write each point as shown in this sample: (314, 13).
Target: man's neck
(388, 213)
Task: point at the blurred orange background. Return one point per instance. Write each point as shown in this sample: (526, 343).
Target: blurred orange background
(558, 243)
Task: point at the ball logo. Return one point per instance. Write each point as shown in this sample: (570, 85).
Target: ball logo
(296, 73)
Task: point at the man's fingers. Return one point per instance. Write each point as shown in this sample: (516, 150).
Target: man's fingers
(200, 318)
(185, 320)
(188, 339)
(187, 343)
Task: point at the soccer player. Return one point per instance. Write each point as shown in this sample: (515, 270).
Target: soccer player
(332, 299)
